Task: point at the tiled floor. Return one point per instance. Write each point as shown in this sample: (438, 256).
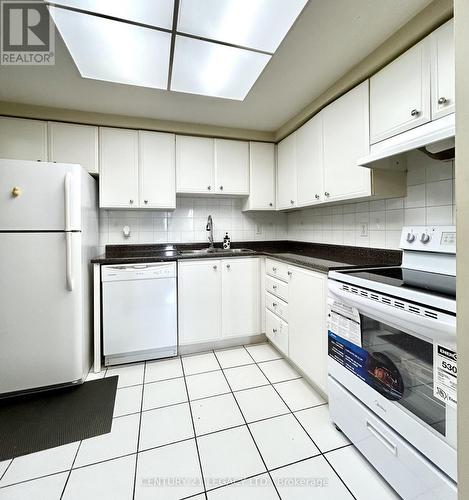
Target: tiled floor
(230, 424)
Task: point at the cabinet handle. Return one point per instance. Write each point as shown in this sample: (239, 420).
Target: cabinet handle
(274, 287)
(228, 266)
(316, 196)
(274, 269)
(289, 273)
(215, 268)
(274, 304)
(145, 201)
(271, 204)
(274, 330)
(131, 201)
(292, 202)
(442, 100)
(209, 187)
(327, 194)
(221, 188)
(415, 112)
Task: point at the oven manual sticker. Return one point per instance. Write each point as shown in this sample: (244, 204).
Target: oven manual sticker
(344, 321)
(445, 374)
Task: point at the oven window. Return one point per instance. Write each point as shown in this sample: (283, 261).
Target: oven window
(402, 366)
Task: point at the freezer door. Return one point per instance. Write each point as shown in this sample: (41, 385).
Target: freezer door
(38, 196)
(41, 318)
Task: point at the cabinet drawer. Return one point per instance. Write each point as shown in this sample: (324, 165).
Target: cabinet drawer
(405, 469)
(276, 305)
(278, 288)
(276, 331)
(277, 269)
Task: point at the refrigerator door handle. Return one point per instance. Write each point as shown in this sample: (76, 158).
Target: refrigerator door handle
(68, 261)
(67, 197)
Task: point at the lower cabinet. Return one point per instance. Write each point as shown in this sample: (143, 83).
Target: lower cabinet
(218, 299)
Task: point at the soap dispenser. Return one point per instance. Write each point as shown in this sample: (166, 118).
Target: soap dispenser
(226, 242)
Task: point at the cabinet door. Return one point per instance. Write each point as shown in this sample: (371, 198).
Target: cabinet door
(199, 301)
(157, 170)
(241, 306)
(22, 139)
(195, 160)
(400, 94)
(346, 139)
(307, 324)
(443, 87)
(262, 177)
(309, 162)
(118, 179)
(232, 167)
(71, 143)
(286, 173)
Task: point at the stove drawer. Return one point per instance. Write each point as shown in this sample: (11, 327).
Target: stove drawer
(276, 287)
(277, 331)
(403, 467)
(277, 269)
(276, 305)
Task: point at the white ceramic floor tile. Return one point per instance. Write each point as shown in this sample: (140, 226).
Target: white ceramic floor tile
(259, 403)
(165, 426)
(263, 352)
(362, 479)
(228, 456)
(164, 393)
(111, 480)
(128, 374)
(170, 472)
(229, 358)
(318, 480)
(128, 400)
(3, 467)
(199, 363)
(278, 371)
(256, 488)
(318, 425)
(245, 377)
(122, 440)
(206, 384)
(39, 464)
(162, 370)
(45, 488)
(215, 414)
(281, 441)
(298, 394)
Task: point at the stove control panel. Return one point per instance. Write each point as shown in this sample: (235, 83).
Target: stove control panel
(437, 239)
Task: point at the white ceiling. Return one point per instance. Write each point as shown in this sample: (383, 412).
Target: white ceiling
(328, 39)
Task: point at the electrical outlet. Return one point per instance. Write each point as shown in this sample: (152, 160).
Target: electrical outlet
(364, 231)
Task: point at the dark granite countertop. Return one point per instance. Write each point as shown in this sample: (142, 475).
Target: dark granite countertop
(315, 256)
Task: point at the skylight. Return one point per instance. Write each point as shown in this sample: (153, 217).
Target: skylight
(215, 48)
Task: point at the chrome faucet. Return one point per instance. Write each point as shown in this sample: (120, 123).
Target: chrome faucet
(209, 228)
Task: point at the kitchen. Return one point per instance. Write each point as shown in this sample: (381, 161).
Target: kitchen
(210, 296)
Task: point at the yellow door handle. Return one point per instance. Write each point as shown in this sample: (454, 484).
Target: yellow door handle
(15, 192)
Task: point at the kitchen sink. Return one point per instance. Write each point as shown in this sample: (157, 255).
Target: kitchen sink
(208, 251)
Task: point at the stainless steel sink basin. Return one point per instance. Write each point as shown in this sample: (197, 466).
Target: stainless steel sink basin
(208, 251)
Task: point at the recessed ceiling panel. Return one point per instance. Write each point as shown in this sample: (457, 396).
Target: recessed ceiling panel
(215, 70)
(153, 12)
(115, 51)
(257, 24)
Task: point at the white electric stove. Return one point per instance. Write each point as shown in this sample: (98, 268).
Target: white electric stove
(393, 363)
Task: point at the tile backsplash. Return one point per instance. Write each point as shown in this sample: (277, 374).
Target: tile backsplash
(429, 200)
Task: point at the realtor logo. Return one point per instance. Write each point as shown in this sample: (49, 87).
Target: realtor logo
(27, 33)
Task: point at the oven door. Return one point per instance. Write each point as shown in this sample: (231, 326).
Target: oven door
(392, 370)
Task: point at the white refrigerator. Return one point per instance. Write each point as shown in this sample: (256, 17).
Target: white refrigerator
(48, 234)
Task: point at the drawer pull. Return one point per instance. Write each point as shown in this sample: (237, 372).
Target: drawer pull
(274, 287)
(274, 330)
(274, 304)
(383, 439)
(289, 273)
(274, 269)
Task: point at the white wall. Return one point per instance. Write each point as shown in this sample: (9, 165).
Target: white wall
(429, 200)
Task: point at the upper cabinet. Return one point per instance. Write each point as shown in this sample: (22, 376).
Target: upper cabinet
(443, 65)
(22, 139)
(262, 177)
(400, 94)
(71, 143)
(286, 173)
(195, 162)
(232, 167)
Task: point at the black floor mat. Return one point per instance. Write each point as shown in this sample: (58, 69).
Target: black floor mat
(44, 420)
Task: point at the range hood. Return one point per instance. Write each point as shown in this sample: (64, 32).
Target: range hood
(436, 139)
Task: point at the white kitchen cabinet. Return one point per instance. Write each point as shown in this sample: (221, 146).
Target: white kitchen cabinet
(400, 94)
(307, 324)
(195, 165)
(346, 138)
(241, 301)
(22, 139)
(443, 66)
(118, 153)
(72, 143)
(276, 331)
(261, 177)
(232, 167)
(286, 173)
(310, 162)
(157, 170)
(199, 301)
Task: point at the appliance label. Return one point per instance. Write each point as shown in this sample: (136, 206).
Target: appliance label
(445, 374)
(344, 320)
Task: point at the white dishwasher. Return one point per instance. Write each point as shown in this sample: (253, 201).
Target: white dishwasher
(139, 312)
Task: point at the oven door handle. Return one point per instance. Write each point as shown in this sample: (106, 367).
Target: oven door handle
(392, 448)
